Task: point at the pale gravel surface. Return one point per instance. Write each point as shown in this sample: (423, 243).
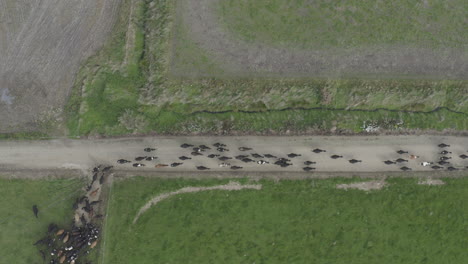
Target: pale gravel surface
(245, 59)
(82, 155)
(364, 186)
(231, 186)
(431, 182)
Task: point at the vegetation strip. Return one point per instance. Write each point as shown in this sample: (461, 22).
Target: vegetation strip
(329, 109)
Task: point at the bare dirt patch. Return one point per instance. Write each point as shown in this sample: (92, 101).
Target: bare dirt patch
(431, 182)
(231, 186)
(364, 186)
(246, 59)
(42, 44)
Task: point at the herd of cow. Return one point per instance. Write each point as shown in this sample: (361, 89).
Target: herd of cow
(62, 245)
(443, 159)
(221, 149)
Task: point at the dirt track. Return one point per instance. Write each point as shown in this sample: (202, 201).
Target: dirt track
(42, 43)
(82, 155)
(231, 186)
(240, 58)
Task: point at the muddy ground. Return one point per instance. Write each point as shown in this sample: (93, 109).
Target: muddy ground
(238, 58)
(42, 44)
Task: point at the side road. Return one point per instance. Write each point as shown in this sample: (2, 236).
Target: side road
(79, 156)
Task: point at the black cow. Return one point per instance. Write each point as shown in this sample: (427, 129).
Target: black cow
(204, 147)
(35, 210)
(401, 151)
(401, 160)
(336, 156)
(308, 162)
(353, 161)
(42, 254)
(95, 176)
(107, 168)
(101, 179)
(197, 149)
(443, 145)
(244, 149)
(317, 150)
(95, 202)
(52, 228)
(184, 158)
(240, 157)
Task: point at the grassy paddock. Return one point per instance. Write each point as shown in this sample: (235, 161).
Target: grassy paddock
(351, 23)
(19, 229)
(289, 222)
(114, 99)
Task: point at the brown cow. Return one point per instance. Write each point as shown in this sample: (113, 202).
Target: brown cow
(93, 193)
(62, 259)
(94, 244)
(66, 238)
(60, 232)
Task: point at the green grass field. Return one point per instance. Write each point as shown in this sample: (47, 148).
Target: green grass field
(142, 97)
(352, 23)
(19, 229)
(307, 221)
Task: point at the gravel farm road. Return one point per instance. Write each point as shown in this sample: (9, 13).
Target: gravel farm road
(68, 154)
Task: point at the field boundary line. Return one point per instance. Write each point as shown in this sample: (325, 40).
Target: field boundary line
(104, 226)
